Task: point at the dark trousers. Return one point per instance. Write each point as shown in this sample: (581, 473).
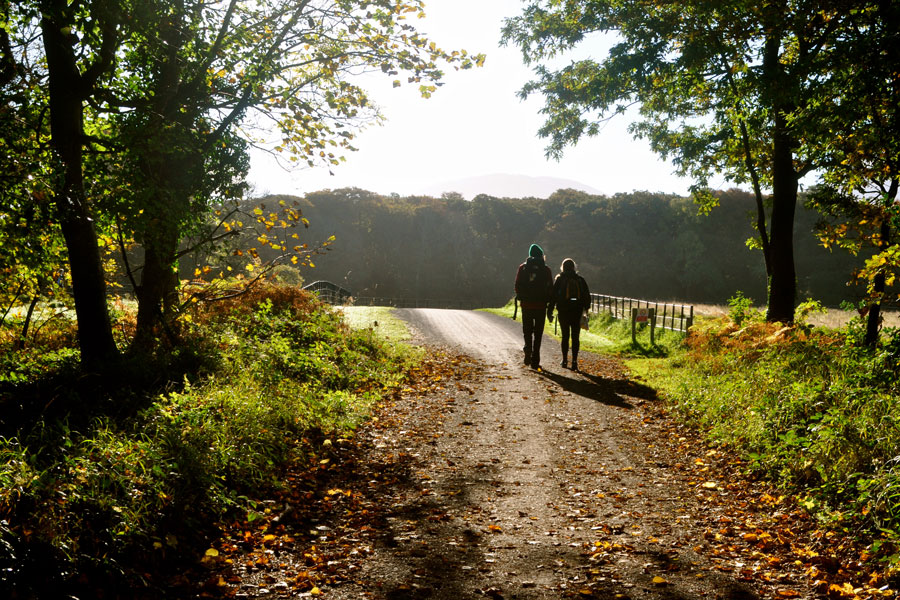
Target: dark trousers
(570, 323)
(533, 330)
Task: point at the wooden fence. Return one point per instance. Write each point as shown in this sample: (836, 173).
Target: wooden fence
(329, 292)
(335, 294)
(676, 317)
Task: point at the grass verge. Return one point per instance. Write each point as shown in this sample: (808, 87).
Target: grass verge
(809, 409)
(379, 319)
(610, 336)
(120, 482)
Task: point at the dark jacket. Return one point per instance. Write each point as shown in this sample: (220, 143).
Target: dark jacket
(565, 305)
(534, 294)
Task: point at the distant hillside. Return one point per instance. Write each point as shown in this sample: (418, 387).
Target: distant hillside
(506, 186)
(641, 245)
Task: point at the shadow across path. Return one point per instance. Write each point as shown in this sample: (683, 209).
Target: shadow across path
(618, 392)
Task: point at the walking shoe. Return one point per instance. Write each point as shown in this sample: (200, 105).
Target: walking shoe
(574, 365)
(564, 363)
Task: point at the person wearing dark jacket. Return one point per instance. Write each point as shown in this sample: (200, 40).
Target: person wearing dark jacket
(534, 283)
(572, 298)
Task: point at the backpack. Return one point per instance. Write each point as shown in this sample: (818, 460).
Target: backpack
(570, 294)
(533, 282)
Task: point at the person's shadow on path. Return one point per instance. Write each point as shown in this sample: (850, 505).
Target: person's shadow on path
(613, 392)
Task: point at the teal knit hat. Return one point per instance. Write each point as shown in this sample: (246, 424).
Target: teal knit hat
(536, 251)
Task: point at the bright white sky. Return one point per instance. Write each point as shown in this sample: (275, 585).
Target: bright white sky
(474, 125)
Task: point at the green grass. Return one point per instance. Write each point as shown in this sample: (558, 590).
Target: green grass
(809, 409)
(380, 319)
(606, 335)
(278, 372)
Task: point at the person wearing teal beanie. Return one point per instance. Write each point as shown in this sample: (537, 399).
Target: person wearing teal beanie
(534, 285)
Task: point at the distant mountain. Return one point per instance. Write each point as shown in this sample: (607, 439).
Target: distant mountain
(507, 186)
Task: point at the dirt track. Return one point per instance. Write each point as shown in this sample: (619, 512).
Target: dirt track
(515, 483)
(545, 485)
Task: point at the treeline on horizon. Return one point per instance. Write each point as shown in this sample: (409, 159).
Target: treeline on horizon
(646, 245)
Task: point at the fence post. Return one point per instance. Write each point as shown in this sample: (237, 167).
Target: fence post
(652, 312)
(633, 325)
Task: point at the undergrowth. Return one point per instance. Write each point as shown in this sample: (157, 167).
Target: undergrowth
(275, 372)
(810, 409)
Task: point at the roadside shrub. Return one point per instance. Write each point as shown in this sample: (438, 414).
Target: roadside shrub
(741, 309)
(287, 275)
(807, 407)
(280, 371)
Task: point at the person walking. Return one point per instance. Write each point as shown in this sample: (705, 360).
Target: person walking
(534, 284)
(572, 298)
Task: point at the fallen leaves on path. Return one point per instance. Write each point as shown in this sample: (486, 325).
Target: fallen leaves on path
(686, 511)
(754, 533)
(313, 534)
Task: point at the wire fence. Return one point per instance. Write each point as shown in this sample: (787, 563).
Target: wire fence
(329, 292)
(676, 317)
(413, 302)
(335, 294)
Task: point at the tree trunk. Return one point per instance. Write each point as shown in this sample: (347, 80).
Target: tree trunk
(23, 336)
(780, 97)
(873, 319)
(157, 286)
(95, 337)
(783, 278)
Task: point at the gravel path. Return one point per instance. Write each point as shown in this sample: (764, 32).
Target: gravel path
(546, 484)
(514, 483)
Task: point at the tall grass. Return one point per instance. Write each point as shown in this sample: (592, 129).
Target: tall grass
(279, 371)
(809, 408)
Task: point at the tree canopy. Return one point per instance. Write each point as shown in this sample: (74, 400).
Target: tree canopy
(139, 116)
(735, 88)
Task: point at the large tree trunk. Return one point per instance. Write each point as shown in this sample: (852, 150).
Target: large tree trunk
(783, 277)
(780, 97)
(166, 169)
(67, 133)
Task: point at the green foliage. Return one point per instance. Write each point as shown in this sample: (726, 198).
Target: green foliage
(639, 244)
(809, 408)
(150, 109)
(752, 93)
(287, 275)
(807, 308)
(280, 373)
(741, 309)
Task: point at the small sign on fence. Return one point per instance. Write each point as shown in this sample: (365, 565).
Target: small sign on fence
(643, 315)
